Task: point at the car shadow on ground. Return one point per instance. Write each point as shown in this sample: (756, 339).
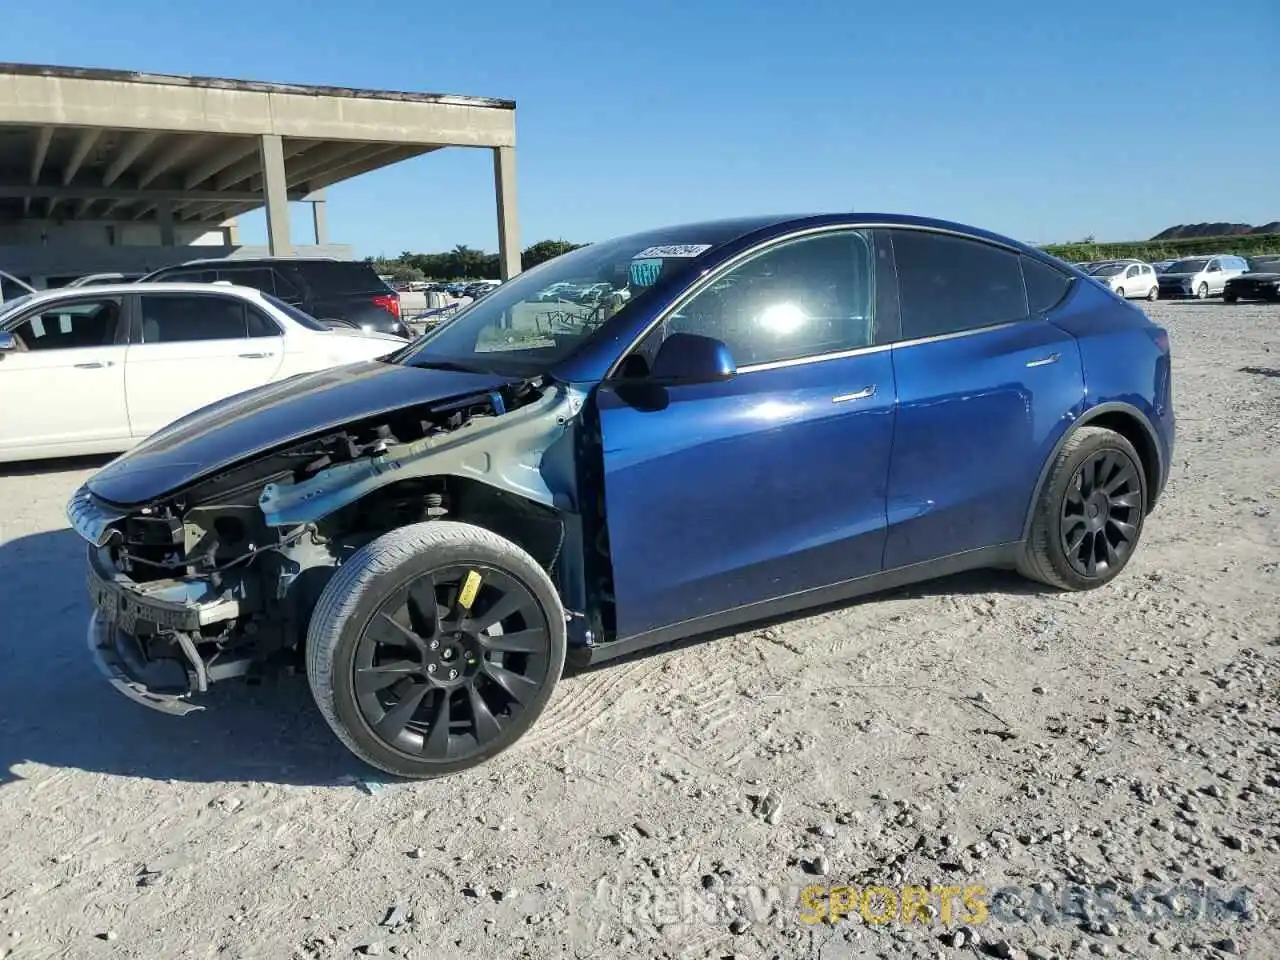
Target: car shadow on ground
(59, 711)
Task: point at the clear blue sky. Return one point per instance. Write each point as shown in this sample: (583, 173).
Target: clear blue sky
(1043, 120)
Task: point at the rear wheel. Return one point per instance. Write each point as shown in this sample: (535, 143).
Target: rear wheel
(1202, 292)
(1089, 517)
(1154, 293)
(435, 647)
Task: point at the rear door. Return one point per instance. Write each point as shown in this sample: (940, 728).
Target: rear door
(64, 386)
(190, 349)
(769, 484)
(985, 384)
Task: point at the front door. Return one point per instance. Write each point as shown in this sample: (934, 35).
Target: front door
(190, 349)
(62, 389)
(723, 495)
(986, 386)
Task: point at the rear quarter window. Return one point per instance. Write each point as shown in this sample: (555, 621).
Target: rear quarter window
(1046, 285)
(338, 277)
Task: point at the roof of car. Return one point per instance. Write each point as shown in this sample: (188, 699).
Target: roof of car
(108, 289)
(233, 261)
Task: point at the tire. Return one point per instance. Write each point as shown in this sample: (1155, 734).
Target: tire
(1154, 293)
(390, 718)
(1229, 298)
(1046, 556)
(1120, 292)
(1202, 292)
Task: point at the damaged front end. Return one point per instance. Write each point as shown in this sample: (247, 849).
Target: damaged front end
(218, 579)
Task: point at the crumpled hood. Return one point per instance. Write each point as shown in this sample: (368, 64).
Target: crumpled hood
(240, 427)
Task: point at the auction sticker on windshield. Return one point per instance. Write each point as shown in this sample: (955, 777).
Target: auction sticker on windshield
(673, 250)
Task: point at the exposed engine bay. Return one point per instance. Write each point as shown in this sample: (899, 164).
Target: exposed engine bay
(220, 578)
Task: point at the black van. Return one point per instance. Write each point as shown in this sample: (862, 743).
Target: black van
(349, 291)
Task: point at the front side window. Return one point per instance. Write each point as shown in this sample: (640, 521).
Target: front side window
(83, 323)
(176, 318)
(947, 284)
(802, 298)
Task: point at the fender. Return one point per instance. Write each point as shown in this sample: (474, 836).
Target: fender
(1090, 415)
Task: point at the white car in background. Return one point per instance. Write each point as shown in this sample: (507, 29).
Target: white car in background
(1201, 277)
(89, 370)
(1128, 278)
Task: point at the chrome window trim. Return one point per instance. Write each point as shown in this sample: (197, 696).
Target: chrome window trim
(708, 277)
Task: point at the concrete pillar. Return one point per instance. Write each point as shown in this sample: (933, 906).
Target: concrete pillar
(504, 181)
(164, 215)
(319, 217)
(276, 195)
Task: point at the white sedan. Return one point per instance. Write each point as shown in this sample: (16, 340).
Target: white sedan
(90, 370)
(1128, 278)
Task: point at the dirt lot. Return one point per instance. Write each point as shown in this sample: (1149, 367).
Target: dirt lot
(979, 732)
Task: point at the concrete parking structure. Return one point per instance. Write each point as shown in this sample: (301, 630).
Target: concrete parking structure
(98, 159)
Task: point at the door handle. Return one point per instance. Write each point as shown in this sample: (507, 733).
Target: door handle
(95, 365)
(255, 356)
(1044, 361)
(860, 395)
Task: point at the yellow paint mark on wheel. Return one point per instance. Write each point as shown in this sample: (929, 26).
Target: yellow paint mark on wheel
(470, 587)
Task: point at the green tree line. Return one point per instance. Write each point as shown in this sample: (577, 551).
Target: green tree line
(1245, 245)
(467, 263)
(463, 262)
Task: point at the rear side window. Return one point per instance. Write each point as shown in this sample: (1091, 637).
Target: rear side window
(178, 318)
(947, 284)
(260, 278)
(330, 277)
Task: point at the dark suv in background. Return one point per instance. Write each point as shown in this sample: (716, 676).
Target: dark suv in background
(349, 291)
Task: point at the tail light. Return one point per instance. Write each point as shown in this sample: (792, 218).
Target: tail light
(389, 302)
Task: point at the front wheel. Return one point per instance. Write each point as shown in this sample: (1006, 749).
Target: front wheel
(435, 647)
(1089, 515)
(1229, 298)
(1202, 292)
(1120, 292)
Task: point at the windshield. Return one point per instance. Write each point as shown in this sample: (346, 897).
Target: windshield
(538, 318)
(1109, 269)
(1188, 266)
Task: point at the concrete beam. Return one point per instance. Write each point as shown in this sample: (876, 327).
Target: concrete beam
(83, 145)
(358, 165)
(184, 105)
(170, 158)
(224, 158)
(43, 139)
(130, 152)
(275, 192)
(504, 183)
(252, 165)
(126, 194)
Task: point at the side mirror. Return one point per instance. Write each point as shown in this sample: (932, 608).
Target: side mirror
(690, 358)
(7, 343)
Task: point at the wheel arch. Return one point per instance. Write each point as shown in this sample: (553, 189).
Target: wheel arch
(1126, 420)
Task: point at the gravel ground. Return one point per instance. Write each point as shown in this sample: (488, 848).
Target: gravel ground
(974, 733)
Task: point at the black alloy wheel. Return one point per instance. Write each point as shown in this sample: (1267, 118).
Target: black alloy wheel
(450, 660)
(434, 647)
(1099, 518)
(1088, 514)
